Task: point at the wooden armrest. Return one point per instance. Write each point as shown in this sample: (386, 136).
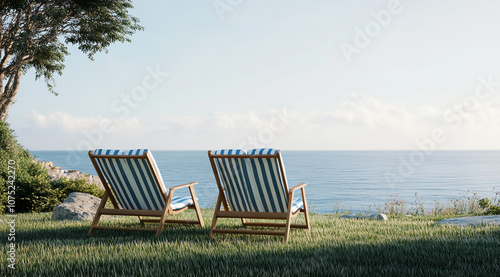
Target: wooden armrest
(298, 187)
(183, 186)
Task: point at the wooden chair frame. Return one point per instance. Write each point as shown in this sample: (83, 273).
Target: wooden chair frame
(227, 213)
(161, 215)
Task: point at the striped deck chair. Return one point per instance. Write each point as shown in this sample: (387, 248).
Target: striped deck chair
(253, 185)
(134, 186)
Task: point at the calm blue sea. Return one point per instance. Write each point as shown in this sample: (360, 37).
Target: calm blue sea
(353, 180)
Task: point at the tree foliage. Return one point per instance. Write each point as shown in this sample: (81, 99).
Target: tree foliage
(35, 35)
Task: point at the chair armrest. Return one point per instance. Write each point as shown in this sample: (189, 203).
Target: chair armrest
(297, 187)
(183, 186)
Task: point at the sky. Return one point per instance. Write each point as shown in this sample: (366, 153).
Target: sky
(288, 74)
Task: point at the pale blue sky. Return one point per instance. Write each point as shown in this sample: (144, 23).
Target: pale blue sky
(273, 73)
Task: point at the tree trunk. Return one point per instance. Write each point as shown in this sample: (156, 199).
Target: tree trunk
(9, 92)
(3, 111)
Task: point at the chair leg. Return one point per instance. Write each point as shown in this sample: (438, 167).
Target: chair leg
(141, 222)
(288, 217)
(214, 219)
(287, 225)
(196, 206)
(163, 218)
(98, 212)
(306, 213)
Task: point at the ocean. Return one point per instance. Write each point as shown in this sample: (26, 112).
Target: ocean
(353, 181)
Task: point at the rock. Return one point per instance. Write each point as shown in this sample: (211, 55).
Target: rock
(472, 221)
(47, 165)
(56, 173)
(78, 206)
(382, 217)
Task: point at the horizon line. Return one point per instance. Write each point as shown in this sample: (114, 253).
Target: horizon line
(338, 150)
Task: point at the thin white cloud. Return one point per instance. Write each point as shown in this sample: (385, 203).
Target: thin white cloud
(221, 121)
(360, 122)
(367, 111)
(66, 122)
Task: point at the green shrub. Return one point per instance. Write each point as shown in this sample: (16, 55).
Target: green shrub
(64, 187)
(493, 210)
(31, 184)
(489, 208)
(34, 191)
(484, 203)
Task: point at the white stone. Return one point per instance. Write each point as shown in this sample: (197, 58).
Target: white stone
(374, 216)
(78, 206)
(56, 173)
(381, 217)
(47, 165)
(72, 175)
(472, 221)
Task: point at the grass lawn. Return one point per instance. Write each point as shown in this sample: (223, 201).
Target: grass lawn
(334, 247)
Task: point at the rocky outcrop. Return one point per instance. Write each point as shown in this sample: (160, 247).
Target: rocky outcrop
(374, 216)
(55, 173)
(472, 221)
(78, 206)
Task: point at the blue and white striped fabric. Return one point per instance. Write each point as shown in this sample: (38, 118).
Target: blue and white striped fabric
(132, 180)
(181, 202)
(253, 184)
(229, 152)
(133, 152)
(262, 151)
(297, 204)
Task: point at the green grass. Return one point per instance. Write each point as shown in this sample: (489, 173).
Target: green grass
(334, 247)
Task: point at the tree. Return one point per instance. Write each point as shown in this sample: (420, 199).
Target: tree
(34, 34)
